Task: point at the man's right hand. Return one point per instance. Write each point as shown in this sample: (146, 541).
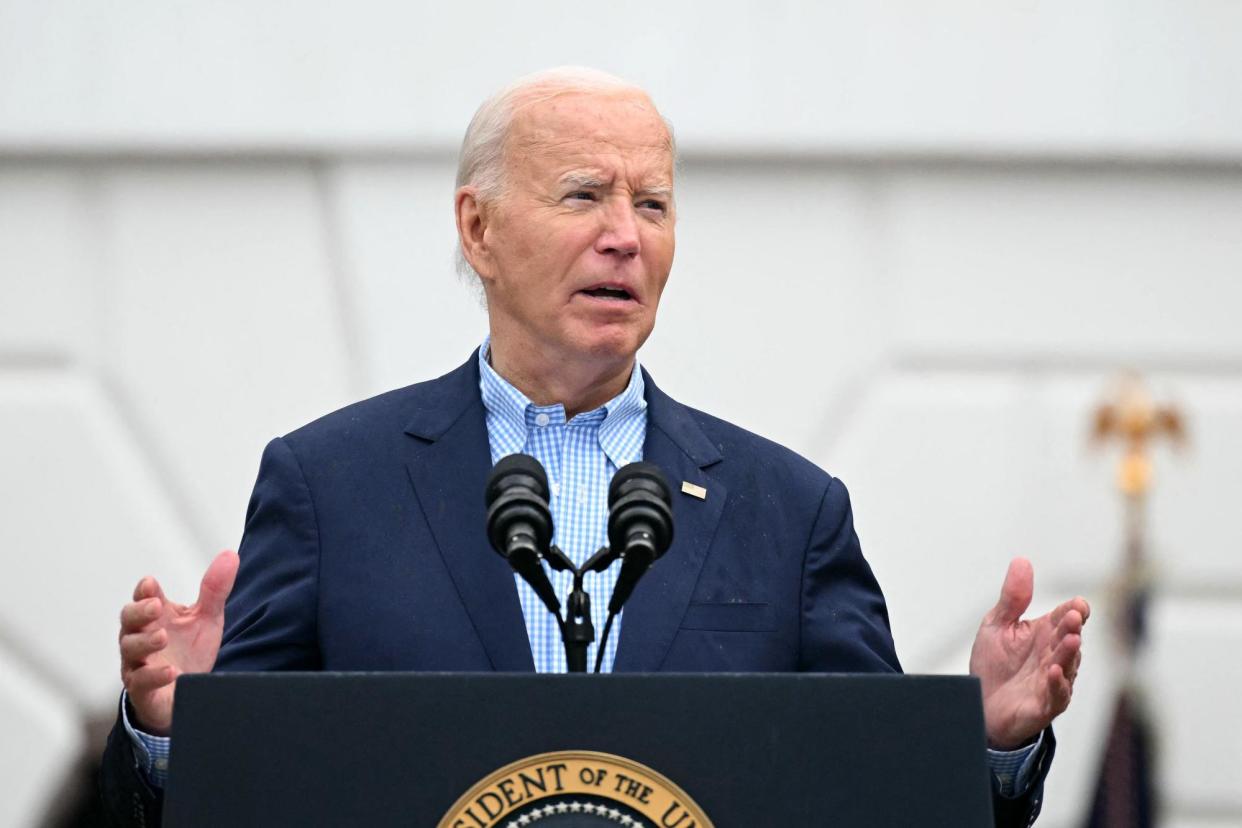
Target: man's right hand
(161, 640)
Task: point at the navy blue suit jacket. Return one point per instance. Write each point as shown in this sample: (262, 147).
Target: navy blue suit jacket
(365, 549)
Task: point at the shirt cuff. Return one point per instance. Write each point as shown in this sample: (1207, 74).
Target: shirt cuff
(1014, 769)
(150, 752)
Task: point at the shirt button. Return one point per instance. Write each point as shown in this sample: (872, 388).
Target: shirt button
(542, 419)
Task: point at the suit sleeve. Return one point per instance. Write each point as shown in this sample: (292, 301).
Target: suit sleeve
(844, 619)
(1021, 810)
(270, 617)
(845, 629)
(126, 797)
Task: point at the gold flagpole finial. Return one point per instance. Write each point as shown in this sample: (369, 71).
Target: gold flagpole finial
(1134, 420)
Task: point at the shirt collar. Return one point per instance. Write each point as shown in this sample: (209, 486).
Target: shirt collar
(621, 429)
(624, 428)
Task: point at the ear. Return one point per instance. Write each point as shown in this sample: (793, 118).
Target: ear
(472, 217)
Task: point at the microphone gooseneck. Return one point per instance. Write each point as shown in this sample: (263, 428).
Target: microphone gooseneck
(640, 529)
(519, 527)
(519, 523)
(640, 524)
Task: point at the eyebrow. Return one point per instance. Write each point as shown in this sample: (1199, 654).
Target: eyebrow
(589, 181)
(582, 180)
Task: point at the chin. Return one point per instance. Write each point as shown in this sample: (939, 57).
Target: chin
(611, 345)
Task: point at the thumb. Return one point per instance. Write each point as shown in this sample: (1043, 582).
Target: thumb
(1015, 594)
(217, 583)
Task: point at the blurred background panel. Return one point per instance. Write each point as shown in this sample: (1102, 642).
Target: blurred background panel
(917, 242)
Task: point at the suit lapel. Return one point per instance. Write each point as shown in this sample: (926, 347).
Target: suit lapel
(676, 444)
(449, 468)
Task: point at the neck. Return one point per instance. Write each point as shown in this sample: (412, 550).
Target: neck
(579, 384)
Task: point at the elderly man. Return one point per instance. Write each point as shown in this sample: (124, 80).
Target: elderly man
(364, 546)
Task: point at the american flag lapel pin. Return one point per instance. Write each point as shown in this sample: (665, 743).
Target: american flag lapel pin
(694, 491)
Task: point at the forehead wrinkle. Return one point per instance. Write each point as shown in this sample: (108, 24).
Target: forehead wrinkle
(540, 123)
(567, 161)
(550, 143)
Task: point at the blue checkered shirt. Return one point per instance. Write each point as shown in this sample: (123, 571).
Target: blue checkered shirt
(580, 455)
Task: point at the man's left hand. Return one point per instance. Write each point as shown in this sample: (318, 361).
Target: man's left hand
(1026, 668)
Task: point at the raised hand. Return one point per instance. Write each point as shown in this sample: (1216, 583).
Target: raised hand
(1026, 668)
(161, 640)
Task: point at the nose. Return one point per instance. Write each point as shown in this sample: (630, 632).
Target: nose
(619, 232)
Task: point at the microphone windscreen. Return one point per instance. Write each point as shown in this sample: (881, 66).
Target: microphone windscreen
(516, 466)
(639, 501)
(638, 476)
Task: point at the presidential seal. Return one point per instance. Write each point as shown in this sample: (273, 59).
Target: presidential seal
(575, 789)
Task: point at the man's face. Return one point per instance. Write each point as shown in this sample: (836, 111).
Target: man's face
(581, 243)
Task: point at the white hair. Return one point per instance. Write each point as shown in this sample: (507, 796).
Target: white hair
(481, 162)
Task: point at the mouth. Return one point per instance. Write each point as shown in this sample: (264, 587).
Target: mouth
(611, 293)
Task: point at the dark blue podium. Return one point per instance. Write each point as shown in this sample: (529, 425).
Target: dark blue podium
(672, 751)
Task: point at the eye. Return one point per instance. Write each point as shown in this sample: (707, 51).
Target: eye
(581, 195)
(653, 204)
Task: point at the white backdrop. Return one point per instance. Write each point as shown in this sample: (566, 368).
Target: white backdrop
(916, 240)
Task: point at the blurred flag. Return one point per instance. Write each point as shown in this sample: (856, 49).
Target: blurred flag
(1125, 794)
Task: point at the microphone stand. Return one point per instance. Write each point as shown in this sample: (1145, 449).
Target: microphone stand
(577, 631)
(519, 527)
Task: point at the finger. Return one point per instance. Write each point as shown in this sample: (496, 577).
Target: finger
(1016, 593)
(136, 615)
(1070, 623)
(137, 647)
(1084, 608)
(148, 587)
(1077, 604)
(217, 583)
(148, 679)
(1060, 690)
(1067, 648)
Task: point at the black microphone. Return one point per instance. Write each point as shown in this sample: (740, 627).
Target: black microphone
(640, 524)
(519, 523)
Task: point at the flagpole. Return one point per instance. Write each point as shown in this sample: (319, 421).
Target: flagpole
(1125, 791)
